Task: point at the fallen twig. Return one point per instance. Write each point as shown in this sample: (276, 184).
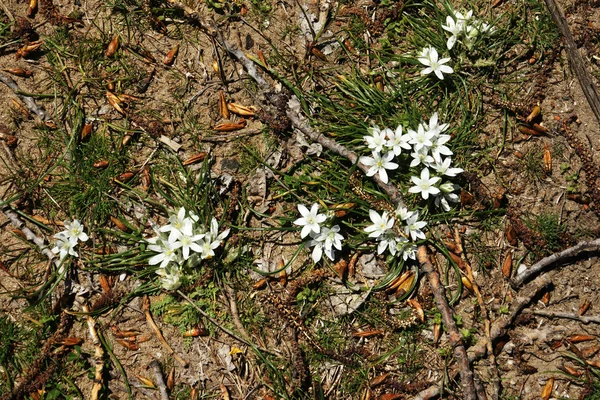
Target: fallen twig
(455, 338)
(29, 101)
(160, 380)
(583, 75)
(159, 335)
(555, 259)
(499, 329)
(227, 331)
(556, 314)
(235, 316)
(98, 354)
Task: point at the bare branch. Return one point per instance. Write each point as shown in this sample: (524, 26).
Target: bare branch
(556, 314)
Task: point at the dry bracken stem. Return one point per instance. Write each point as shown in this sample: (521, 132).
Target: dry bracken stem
(159, 335)
(555, 259)
(486, 320)
(460, 354)
(98, 354)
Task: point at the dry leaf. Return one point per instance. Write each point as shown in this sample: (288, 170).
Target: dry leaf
(547, 391)
(507, 265)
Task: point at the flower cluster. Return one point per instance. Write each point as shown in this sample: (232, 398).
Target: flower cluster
(67, 240)
(396, 238)
(178, 241)
(464, 28)
(427, 148)
(323, 238)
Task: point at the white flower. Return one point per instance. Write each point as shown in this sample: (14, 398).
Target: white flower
(397, 141)
(402, 213)
(414, 227)
(434, 125)
(420, 138)
(187, 243)
(74, 230)
(212, 240)
(170, 277)
(446, 195)
(438, 147)
(434, 64)
(406, 248)
(443, 167)
(310, 220)
(326, 241)
(455, 29)
(64, 245)
(379, 164)
(178, 224)
(421, 157)
(381, 223)
(376, 140)
(387, 241)
(166, 252)
(424, 185)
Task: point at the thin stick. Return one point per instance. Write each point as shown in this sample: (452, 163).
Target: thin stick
(235, 316)
(227, 331)
(553, 314)
(557, 258)
(98, 354)
(159, 335)
(160, 380)
(29, 235)
(583, 75)
(456, 342)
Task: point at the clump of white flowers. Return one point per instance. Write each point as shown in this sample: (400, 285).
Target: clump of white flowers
(180, 240)
(323, 239)
(464, 28)
(429, 57)
(69, 238)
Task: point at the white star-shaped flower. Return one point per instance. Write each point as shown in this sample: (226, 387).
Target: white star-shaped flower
(311, 220)
(425, 184)
(433, 64)
(455, 29)
(442, 167)
(397, 141)
(414, 227)
(381, 223)
(376, 140)
(74, 230)
(379, 163)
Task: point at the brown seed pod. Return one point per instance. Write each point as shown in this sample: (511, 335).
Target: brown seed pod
(18, 107)
(437, 332)
(546, 298)
(101, 164)
(215, 66)
(224, 392)
(124, 177)
(240, 110)
(534, 113)
(418, 309)
(365, 334)
(528, 131)
(511, 235)
(114, 101)
(21, 72)
(590, 351)
(128, 345)
(195, 332)
(105, 284)
(261, 284)
(507, 265)
(467, 283)
(341, 269)
(378, 380)
(126, 139)
(19, 233)
(32, 9)
(229, 127)
(119, 224)
(348, 46)
(113, 46)
(457, 259)
(146, 178)
(580, 338)
(319, 54)
(540, 128)
(585, 305)
(70, 341)
(261, 57)
(194, 393)
(28, 49)
(171, 379)
(170, 56)
(570, 370)
(547, 160)
(547, 391)
(143, 338)
(579, 198)
(195, 158)
(145, 381)
(86, 130)
(396, 283)
(223, 108)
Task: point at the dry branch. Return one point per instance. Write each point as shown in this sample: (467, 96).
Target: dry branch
(560, 258)
(575, 58)
(158, 333)
(32, 237)
(160, 380)
(455, 338)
